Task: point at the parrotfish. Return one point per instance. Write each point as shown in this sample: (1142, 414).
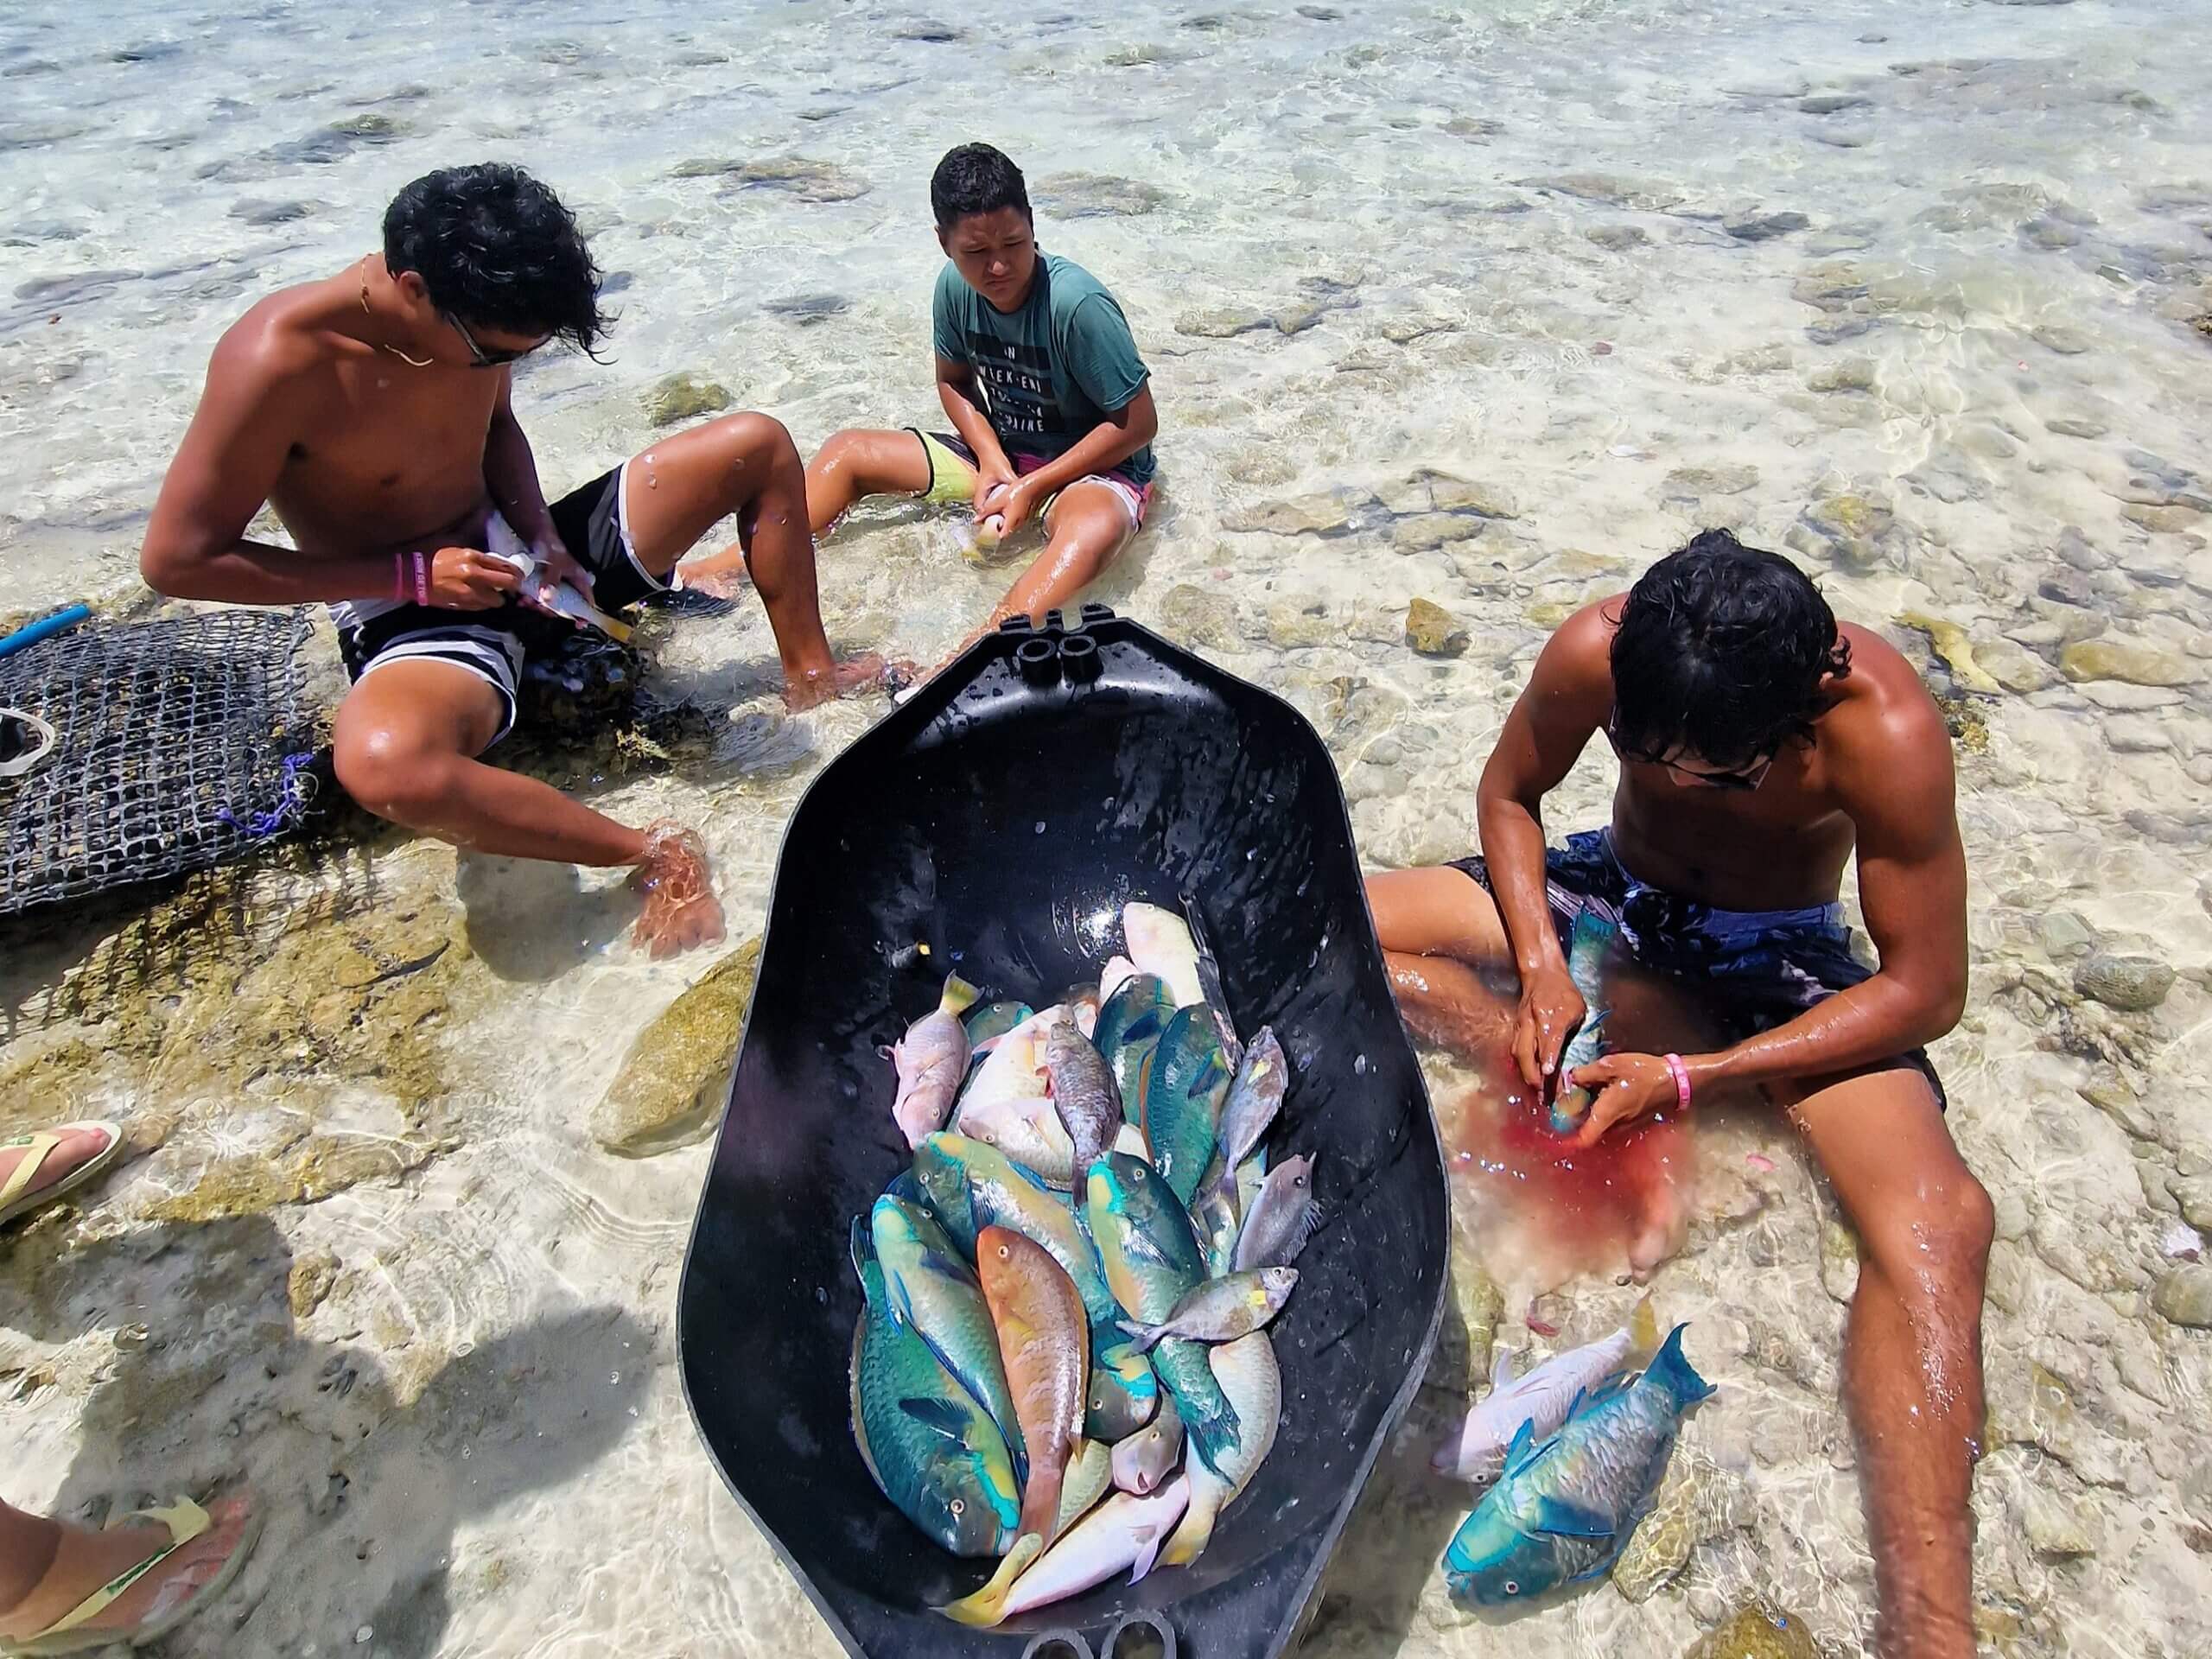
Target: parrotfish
(1587, 947)
(1565, 1507)
(971, 1186)
(933, 1452)
(1542, 1397)
(933, 1289)
(1254, 1095)
(1252, 1382)
(1152, 1261)
(1281, 1219)
(1221, 1310)
(1129, 1024)
(1007, 1102)
(1045, 1346)
(1160, 945)
(1124, 1531)
(1090, 1478)
(1084, 1095)
(932, 1062)
(1180, 1090)
(1150, 1455)
(1111, 977)
(992, 1020)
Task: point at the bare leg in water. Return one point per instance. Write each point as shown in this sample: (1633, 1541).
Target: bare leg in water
(1912, 1356)
(49, 1568)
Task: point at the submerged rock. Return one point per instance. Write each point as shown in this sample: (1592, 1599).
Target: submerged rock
(1198, 617)
(2184, 1297)
(1448, 492)
(1763, 227)
(1093, 195)
(671, 1086)
(1953, 645)
(1222, 322)
(1327, 512)
(1689, 1510)
(1849, 527)
(2133, 984)
(685, 396)
(1432, 630)
(2120, 659)
(1712, 481)
(1756, 1632)
(310, 1282)
(796, 175)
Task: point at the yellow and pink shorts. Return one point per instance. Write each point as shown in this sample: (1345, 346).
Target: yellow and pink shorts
(952, 477)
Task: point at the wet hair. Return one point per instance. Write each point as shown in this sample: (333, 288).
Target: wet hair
(975, 179)
(1719, 651)
(496, 249)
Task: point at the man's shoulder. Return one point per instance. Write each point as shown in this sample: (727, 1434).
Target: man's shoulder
(1072, 286)
(280, 338)
(1885, 729)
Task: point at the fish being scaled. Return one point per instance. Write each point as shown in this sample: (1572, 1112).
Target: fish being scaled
(1180, 1091)
(1541, 1398)
(1587, 947)
(1252, 1382)
(932, 1062)
(1045, 1346)
(1221, 1310)
(971, 1186)
(1160, 945)
(1281, 1219)
(1152, 1261)
(1123, 1532)
(933, 1452)
(1565, 1507)
(1083, 1092)
(1129, 1027)
(933, 1289)
(1150, 1454)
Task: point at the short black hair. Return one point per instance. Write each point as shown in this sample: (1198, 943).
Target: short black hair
(496, 248)
(975, 179)
(1720, 650)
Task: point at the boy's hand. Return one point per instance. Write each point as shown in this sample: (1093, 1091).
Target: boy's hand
(1015, 505)
(991, 482)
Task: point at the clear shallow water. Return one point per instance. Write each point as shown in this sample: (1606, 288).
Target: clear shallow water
(1496, 242)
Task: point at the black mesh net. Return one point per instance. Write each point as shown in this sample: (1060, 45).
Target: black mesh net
(178, 744)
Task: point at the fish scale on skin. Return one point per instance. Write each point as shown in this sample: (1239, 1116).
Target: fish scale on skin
(1542, 1397)
(1044, 1345)
(971, 1185)
(1124, 1532)
(1127, 1030)
(1588, 944)
(933, 1289)
(1181, 1089)
(1150, 1455)
(1007, 1104)
(1084, 1095)
(1565, 1508)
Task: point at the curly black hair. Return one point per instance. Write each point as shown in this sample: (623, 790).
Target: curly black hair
(975, 179)
(1720, 651)
(495, 247)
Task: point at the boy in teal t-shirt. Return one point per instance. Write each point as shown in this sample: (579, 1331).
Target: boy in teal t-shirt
(1050, 403)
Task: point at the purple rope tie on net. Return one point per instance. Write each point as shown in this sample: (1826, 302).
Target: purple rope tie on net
(293, 793)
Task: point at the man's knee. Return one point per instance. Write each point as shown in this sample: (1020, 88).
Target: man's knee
(759, 444)
(1934, 1246)
(391, 776)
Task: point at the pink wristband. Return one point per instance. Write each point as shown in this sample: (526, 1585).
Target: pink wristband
(1682, 1076)
(422, 579)
(399, 576)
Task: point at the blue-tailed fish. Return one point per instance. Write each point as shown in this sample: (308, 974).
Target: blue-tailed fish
(1542, 1397)
(932, 1289)
(1251, 1379)
(1565, 1507)
(1221, 1310)
(1281, 1219)
(1123, 1532)
(1152, 1261)
(1587, 947)
(932, 1062)
(933, 1452)
(971, 1186)
(1180, 1091)
(1045, 1346)
(1129, 1023)
(1160, 945)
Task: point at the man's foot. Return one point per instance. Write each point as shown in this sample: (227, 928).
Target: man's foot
(73, 1149)
(714, 579)
(681, 910)
(86, 1560)
(866, 672)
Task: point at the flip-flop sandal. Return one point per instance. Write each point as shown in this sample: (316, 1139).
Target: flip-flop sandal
(25, 739)
(186, 1521)
(16, 1197)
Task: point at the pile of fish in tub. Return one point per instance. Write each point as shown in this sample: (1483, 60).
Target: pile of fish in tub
(1066, 1293)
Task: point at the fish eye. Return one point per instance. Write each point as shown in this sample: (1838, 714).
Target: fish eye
(959, 1506)
(1511, 1587)
(1004, 1252)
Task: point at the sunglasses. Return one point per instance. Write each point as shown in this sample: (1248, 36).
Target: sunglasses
(1747, 778)
(481, 359)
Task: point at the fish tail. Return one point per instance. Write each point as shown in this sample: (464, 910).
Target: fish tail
(1213, 1438)
(1671, 1370)
(1643, 1332)
(959, 997)
(1195, 1531)
(987, 1607)
(1142, 1336)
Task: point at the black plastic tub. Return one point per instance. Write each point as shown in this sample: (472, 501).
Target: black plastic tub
(1000, 819)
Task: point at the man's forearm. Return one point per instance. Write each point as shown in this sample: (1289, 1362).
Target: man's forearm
(255, 573)
(1107, 444)
(1876, 1020)
(973, 426)
(1513, 851)
(510, 474)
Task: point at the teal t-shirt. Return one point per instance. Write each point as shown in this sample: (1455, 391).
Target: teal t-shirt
(1050, 372)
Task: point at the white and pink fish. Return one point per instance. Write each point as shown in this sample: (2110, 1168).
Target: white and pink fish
(1542, 1398)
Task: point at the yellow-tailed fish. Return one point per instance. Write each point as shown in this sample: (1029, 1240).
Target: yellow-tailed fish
(1221, 1310)
(1249, 1376)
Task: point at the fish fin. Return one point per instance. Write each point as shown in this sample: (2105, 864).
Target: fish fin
(1142, 1336)
(863, 1248)
(952, 1267)
(938, 1416)
(1148, 1542)
(1570, 1520)
(1192, 1536)
(1671, 1370)
(1522, 1446)
(1643, 1332)
(1501, 1372)
(959, 995)
(987, 1607)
